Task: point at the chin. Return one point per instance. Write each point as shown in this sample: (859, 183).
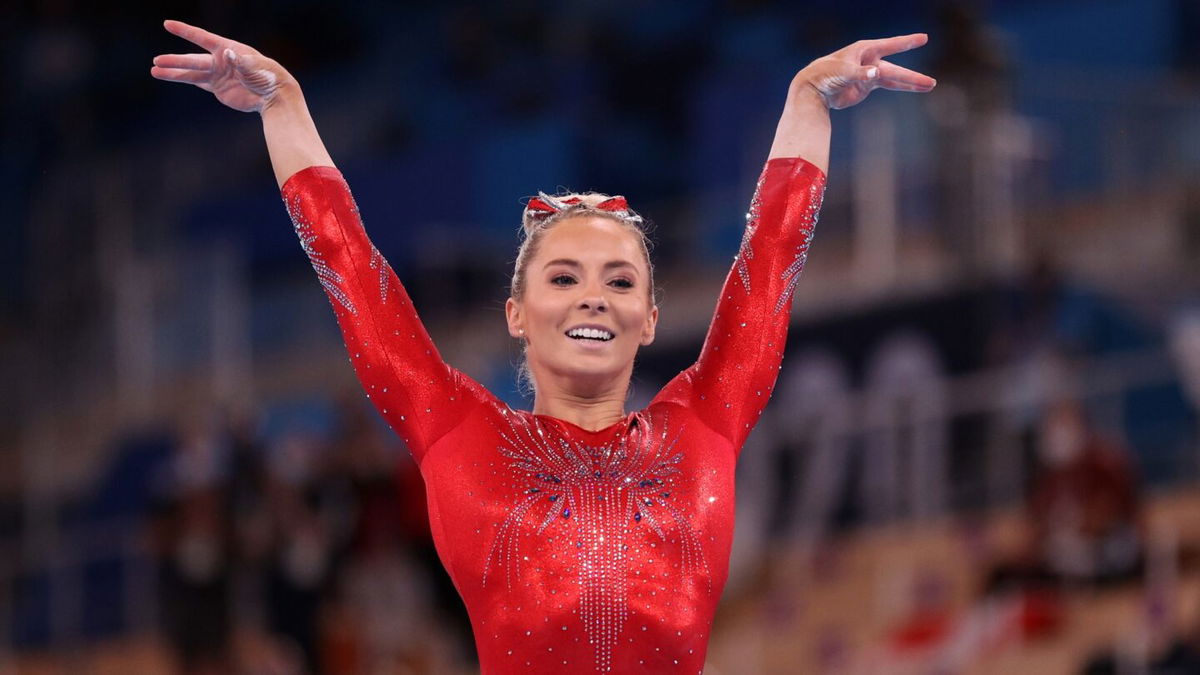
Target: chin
(591, 367)
(596, 370)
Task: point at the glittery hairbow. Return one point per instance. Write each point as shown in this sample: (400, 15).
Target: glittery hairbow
(544, 206)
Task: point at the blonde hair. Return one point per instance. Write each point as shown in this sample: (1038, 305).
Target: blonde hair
(535, 223)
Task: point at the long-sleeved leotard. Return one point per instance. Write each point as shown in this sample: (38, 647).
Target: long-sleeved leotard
(601, 551)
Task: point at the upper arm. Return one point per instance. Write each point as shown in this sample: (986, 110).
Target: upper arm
(419, 395)
(732, 380)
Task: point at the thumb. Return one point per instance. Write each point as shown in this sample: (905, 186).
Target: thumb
(253, 71)
(242, 62)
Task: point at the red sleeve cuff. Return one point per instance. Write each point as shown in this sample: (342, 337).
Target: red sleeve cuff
(312, 173)
(798, 166)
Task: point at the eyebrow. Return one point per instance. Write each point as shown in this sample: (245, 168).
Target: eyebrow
(575, 263)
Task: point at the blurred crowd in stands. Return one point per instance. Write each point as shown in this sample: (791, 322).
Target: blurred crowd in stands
(307, 553)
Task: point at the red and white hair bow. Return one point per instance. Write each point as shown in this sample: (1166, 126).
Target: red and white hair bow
(544, 206)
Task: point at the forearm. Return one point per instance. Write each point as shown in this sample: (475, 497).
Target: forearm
(804, 129)
(292, 138)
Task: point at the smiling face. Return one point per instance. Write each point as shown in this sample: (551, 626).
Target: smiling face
(585, 304)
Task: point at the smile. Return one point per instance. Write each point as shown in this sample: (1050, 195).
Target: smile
(597, 334)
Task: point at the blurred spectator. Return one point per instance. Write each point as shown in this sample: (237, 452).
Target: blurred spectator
(1084, 511)
(306, 554)
(193, 539)
(299, 565)
(392, 576)
(1052, 330)
(1083, 517)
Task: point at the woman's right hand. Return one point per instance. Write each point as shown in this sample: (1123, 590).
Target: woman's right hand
(236, 74)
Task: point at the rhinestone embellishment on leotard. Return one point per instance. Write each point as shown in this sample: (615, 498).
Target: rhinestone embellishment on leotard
(745, 253)
(330, 280)
(808, 223)
(380, 264)
(605, 492)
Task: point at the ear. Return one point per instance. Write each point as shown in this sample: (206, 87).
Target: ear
(649, 328)
(512, 314)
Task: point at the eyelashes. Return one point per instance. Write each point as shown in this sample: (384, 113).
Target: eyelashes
(568, 280)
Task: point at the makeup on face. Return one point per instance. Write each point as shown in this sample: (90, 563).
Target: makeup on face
(586, 301)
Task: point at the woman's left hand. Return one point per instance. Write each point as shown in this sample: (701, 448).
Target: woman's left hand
(845, 77)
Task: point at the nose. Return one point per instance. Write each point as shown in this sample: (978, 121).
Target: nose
(595, 302)
(593, 299)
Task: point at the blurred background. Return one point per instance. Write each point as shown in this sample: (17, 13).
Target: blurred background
(982, 456)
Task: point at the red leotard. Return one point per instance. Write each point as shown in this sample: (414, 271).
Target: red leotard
(594, 551)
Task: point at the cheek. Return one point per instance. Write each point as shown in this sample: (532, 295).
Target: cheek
(544, 315)
(634, 316)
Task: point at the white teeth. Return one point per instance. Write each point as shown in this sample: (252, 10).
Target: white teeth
(592, 333)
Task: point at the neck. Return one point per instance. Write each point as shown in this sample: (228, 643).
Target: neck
(590, 412)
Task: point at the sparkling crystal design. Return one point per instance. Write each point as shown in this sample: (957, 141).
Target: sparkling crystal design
(330, 279)
(808, 224)
(380, 264)
(745, 253)
(608, 491)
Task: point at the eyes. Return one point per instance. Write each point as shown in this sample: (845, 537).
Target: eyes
(565, 280)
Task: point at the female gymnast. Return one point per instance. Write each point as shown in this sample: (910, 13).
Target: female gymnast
(579, 536)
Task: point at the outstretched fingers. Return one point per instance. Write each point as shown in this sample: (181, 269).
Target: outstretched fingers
(899, 78)
(185, 61)
(873, 50)
(196, 77)
(196, 35)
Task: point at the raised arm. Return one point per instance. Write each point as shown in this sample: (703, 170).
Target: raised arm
(245, 80)
(730, 383)
(398, 365)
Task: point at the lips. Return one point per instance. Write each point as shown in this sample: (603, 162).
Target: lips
(590, 333)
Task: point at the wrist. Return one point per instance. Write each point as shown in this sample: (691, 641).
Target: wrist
(804, 126)
(285, 100)
(804, 95)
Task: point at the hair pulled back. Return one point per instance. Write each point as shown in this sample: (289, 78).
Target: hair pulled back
(534, 225)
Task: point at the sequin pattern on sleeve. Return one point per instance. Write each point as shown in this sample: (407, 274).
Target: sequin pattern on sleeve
(330, 279)
(807, 225)
(745, 254)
